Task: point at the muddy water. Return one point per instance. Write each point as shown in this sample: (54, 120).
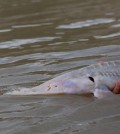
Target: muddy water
(42, 39)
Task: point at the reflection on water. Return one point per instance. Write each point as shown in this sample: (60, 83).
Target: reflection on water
(42, 39)
(108, 36)
(19, 42)
(5, 30)
(86, 23)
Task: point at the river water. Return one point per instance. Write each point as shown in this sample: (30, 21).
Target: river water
(40, 39)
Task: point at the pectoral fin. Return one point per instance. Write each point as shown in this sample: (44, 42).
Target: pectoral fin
(116, 89)
(102, 91)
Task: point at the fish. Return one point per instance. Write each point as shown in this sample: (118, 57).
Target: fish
(99, 79)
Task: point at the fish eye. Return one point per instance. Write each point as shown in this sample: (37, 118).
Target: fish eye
(91, 78)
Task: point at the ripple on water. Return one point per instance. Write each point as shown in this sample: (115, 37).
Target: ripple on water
(19, 42)
(86, 23)
(116, 26)
(5, 30)
(30, 25)
(45, 65)
(108, 36)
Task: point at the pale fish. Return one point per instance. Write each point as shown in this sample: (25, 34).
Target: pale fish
(99, 79)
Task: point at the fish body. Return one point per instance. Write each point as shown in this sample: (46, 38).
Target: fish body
(98, 79)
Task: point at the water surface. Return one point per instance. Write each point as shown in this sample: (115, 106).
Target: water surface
(42, 39)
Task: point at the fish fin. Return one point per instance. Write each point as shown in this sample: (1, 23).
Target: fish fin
(116, 89)
(102, 91)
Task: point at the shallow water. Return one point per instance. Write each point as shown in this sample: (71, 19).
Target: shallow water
(42, 39)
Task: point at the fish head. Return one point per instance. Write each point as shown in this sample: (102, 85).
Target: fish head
(78, 85)
(67, 86)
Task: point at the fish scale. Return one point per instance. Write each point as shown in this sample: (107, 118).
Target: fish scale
(105, 69)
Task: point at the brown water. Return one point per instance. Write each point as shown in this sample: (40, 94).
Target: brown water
(40, 39)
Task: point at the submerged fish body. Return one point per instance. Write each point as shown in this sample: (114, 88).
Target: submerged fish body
(98, 79)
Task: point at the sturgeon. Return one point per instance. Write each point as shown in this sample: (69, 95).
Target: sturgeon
(99, 79)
